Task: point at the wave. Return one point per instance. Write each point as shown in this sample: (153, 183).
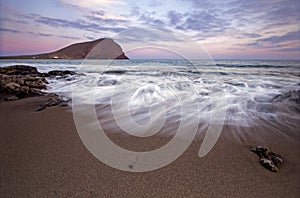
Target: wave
(205, 91)
(256, 65)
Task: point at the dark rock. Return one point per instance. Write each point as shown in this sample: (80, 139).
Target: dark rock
(40, 108)
(24, 91)
(267, 158)
(10, 98)
(268, 164)
(115, 72)
(20, 86)
(64, 104)
(60, 73)
(18, 70)
(24, 81)
(35, 92)
(290, 96)
(36, 83)
(53, 101)
(261, 151)
(276, 159)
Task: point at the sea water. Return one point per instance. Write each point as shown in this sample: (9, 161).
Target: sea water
(233, 92)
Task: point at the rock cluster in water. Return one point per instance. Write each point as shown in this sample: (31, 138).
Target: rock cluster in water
(267, 158)
(290, 96)
(20, 81)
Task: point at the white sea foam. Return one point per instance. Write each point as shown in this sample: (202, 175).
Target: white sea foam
(243, 89)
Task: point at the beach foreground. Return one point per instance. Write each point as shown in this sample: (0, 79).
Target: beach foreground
(41, 155)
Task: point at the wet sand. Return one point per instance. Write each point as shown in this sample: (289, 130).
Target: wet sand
(41, 155)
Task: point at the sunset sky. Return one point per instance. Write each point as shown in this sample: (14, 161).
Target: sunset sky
(232, 29)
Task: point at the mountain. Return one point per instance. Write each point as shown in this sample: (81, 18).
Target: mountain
(103, 48)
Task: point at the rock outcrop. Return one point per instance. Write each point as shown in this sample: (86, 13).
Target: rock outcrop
(104, 48)
(19, 70)
(20, 81)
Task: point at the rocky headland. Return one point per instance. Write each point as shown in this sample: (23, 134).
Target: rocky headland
(103, 48)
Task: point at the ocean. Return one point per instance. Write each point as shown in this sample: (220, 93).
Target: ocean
(149, 92)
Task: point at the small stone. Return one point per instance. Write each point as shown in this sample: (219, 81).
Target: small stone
(261, 151)
(267, 158)
(11, 98)
(276, 159)
(40, 108)
(63, 104)
(268, 164)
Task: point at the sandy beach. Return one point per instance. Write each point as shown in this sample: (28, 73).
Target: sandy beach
(115, 98)
(41, 155)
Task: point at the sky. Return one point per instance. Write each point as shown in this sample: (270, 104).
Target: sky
(226, 29)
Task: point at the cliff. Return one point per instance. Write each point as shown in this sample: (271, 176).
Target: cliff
(103, 48)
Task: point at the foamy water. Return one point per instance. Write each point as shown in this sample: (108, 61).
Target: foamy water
(231, 91)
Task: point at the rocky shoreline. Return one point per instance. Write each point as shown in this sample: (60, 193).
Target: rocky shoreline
(21, 81)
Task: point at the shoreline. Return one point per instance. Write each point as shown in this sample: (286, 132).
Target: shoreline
(42, 155)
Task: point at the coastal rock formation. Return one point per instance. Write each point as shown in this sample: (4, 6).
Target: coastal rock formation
(267, 158)
(19, 70)
(103, 48)
(290, 96)
(20, 81)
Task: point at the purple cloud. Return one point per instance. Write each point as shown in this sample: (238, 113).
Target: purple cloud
(174, 17)
(79, 24)
(105, 21)
(9, 30)
(148, 20)
(290, 36)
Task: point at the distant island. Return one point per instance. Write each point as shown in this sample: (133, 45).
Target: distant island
(103, 48)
